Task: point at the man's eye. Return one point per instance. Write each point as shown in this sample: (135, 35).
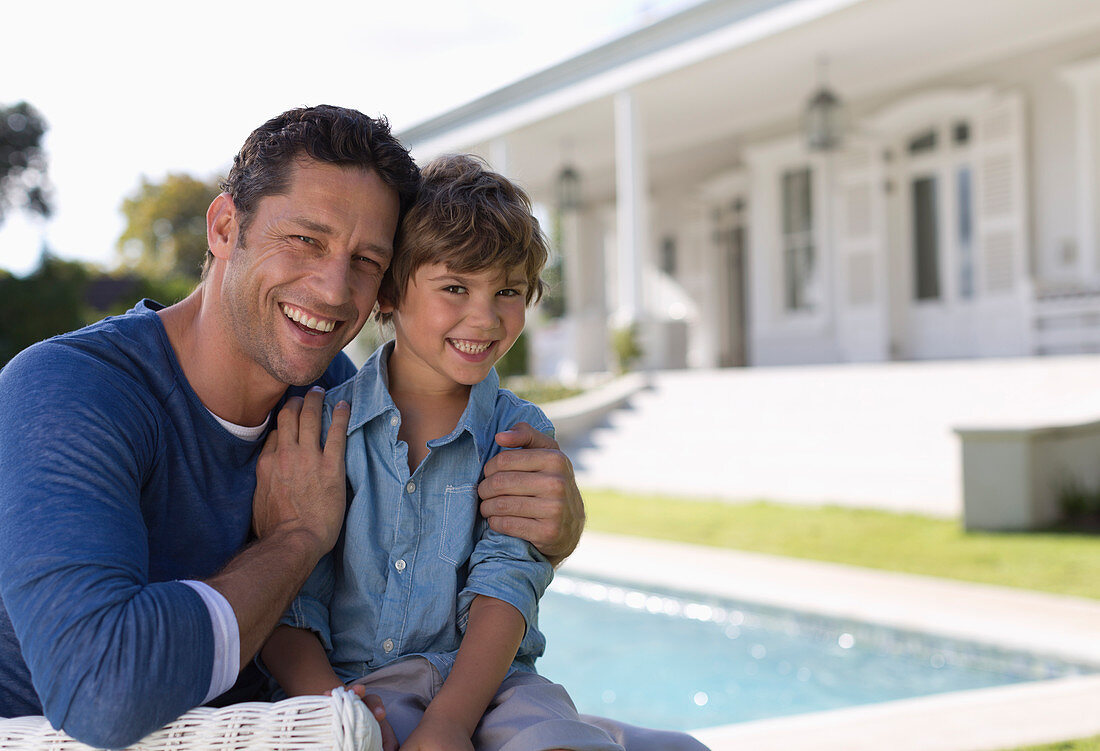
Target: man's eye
(368, 260)
(304, 239)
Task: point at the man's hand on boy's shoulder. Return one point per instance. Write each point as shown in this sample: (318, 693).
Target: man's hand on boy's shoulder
(532, 493)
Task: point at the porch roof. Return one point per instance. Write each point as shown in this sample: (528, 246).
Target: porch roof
(723, 73)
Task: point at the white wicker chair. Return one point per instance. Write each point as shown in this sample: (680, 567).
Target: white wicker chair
(340, 722)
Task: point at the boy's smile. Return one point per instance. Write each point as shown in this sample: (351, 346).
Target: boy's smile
(452, 326)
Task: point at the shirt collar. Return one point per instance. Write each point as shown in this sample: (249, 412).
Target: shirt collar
(370, 389)
(371, 398)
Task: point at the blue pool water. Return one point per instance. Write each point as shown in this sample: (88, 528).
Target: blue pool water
(682, 662)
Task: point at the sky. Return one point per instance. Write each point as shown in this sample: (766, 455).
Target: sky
(132, 89)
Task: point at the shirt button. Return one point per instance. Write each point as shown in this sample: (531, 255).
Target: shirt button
(400, 564)
(411, 487)
(388, 645)
(394, 420)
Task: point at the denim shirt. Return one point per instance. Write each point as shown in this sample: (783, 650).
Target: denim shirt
(415, 551)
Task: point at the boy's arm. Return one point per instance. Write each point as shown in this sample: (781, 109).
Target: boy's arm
(296, 659)
(493, 634)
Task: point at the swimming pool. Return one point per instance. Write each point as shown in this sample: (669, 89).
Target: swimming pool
(665, 659)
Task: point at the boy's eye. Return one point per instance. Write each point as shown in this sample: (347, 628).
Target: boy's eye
(454, 289)
(508, 292)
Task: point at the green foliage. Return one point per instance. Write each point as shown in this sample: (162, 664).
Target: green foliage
(47, 302)
(23, 179)
(62, 296)
(514, 362)
(627, 347)
(539, 391)
(165, 232)
(552, 303)
(1077, 500)
(1064, 563)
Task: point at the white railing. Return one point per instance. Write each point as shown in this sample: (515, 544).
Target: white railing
(1066, 323)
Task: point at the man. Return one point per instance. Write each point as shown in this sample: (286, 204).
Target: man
(128, 450)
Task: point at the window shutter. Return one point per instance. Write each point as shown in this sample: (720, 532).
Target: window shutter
(859, 211)
(1001, 200)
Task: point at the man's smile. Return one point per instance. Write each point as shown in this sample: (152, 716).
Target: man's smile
(313, 323)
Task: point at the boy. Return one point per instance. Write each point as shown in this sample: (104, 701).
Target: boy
(420, 602)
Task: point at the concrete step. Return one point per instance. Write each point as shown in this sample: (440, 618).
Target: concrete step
(879, 435)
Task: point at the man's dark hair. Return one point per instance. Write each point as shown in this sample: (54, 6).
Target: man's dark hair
(334, 135)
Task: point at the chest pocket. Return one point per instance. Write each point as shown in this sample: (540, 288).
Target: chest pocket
(459, 513)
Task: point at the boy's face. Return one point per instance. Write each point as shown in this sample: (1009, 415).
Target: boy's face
(452, 327)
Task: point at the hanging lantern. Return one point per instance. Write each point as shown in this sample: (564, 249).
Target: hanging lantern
(569, 189)
(824, 118)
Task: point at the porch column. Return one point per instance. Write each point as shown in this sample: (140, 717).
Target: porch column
(498, 156)
(632, 209)
(1082, 79)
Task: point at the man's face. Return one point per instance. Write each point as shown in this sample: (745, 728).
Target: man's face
(299, 286)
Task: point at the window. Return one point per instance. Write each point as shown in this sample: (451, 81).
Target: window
(926, 248)
(668, 256)
(923, 143)
(965, 237)
(798, 247)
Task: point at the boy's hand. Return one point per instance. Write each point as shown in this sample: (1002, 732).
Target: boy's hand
(438, 734)
(374, 703)
(532, 494)
(299, 485)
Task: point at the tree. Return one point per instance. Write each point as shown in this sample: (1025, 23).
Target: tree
(166, 226)
(23, 180)
(55, 291)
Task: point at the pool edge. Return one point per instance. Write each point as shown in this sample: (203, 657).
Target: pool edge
(980, 720)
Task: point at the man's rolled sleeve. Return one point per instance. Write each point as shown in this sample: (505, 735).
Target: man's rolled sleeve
(227, 639)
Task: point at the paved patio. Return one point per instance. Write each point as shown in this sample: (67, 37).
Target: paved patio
(874, 435)
(984, 720)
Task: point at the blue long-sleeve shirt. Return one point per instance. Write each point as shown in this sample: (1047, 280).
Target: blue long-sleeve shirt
(115, 483)
(414, 551)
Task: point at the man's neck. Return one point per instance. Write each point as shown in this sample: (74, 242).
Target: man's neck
(229, 384)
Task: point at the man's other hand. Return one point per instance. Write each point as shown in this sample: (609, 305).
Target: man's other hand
(300, 485)
(531, 493)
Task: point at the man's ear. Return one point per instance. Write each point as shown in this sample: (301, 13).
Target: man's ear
(222, 226)
(385, 304)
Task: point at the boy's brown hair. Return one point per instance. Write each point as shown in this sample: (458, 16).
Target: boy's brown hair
(471, 219)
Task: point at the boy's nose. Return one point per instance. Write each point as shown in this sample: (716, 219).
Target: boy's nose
(484, 314)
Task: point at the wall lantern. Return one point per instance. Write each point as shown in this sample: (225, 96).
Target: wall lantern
(569, 189)
(824, 117)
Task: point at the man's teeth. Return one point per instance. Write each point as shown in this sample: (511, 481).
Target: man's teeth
(306, 320)
(471, 348)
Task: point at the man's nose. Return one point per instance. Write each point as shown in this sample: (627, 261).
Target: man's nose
(332, 279)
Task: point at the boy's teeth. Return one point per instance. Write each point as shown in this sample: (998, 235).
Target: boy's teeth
(312, 323)
(470, 348)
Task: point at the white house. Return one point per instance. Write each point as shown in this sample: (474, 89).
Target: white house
(957, 216)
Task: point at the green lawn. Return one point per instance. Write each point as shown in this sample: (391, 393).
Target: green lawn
(1064, 563)
(1085, 744)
